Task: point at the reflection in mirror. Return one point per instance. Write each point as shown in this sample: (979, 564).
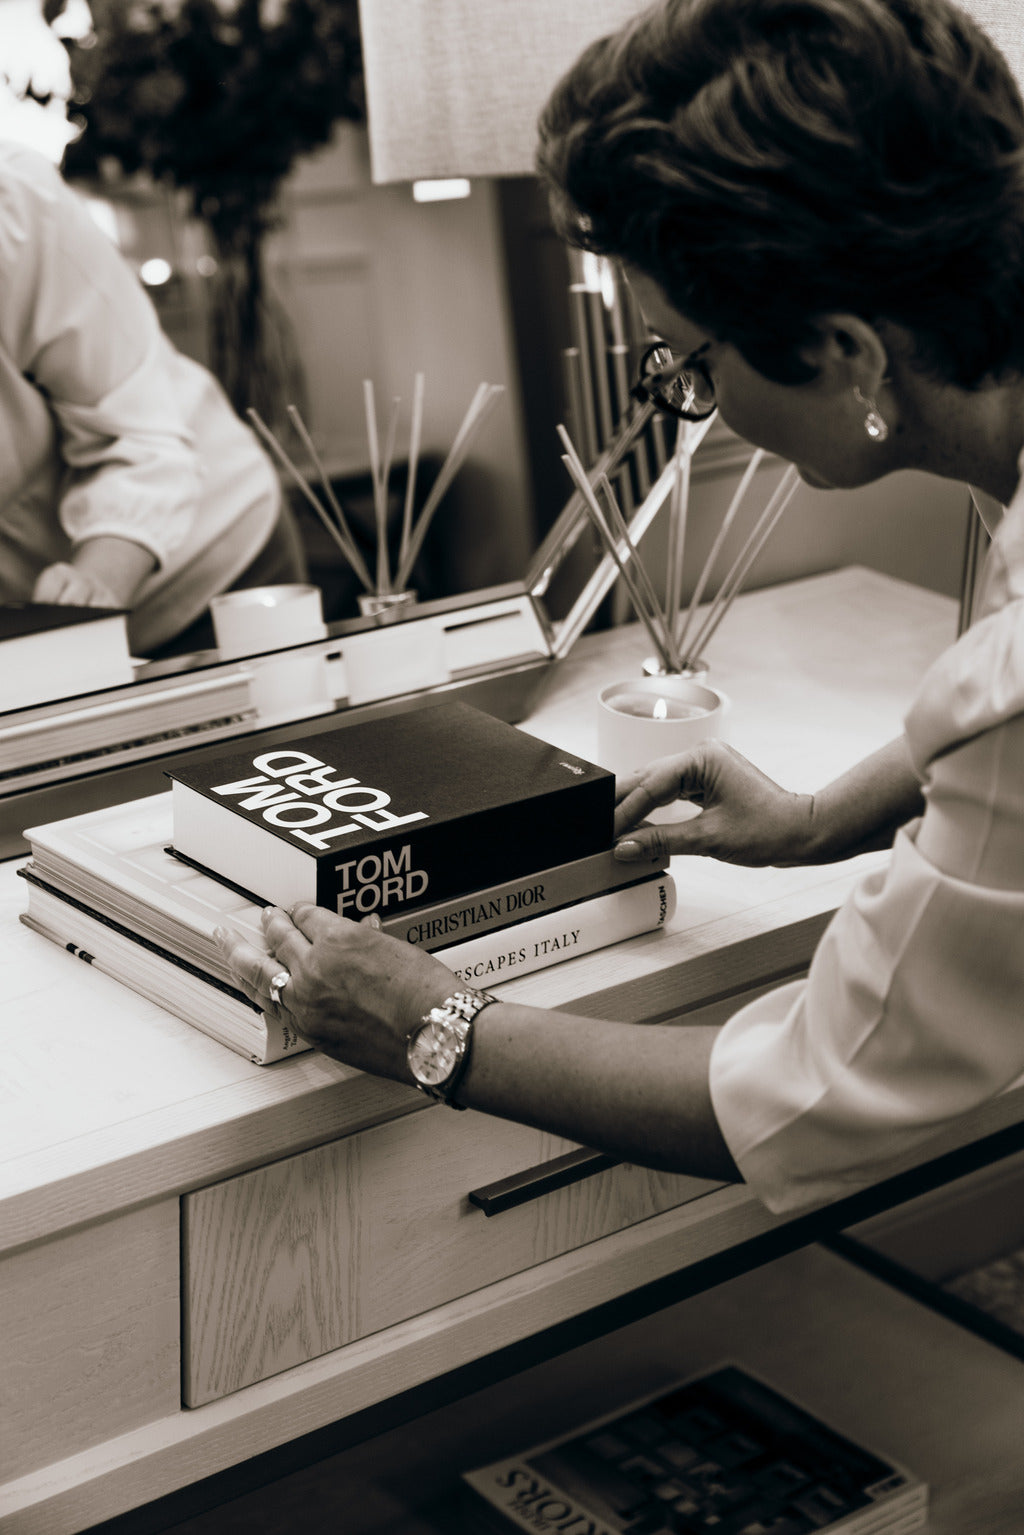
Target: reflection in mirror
(355, 283)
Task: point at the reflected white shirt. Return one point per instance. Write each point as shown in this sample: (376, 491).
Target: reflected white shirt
(104, 427)
(913, 1009)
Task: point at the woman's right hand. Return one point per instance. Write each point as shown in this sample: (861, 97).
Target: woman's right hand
(744, 817)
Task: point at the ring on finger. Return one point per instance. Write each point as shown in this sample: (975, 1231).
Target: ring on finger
(278, 983)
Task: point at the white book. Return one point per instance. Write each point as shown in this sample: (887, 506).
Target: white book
(208, 1004)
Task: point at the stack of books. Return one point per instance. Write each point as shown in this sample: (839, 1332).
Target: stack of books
(460, 833)
(725, 1453)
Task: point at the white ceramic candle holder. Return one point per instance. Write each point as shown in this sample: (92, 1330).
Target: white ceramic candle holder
(260, 618)
(646, 718)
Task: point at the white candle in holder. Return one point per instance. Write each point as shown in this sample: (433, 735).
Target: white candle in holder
(256, 619)
(650, 717)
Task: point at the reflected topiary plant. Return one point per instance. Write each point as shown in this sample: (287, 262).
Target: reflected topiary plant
(217, 98)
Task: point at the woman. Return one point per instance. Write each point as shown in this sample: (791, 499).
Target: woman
(126, 480)
(820, 205)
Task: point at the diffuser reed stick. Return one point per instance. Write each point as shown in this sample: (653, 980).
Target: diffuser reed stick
(651, 617)
(669, 650)
(573, 517)
(756, 541)
(345, 544)
(719, 540)
(483, 402)
(415, 436)
(679, 503)
(355, 559)
(380, 511)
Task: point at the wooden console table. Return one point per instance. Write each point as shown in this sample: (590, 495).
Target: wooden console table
(314, 1288)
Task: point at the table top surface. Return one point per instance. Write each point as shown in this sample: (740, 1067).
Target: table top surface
(107, 1099)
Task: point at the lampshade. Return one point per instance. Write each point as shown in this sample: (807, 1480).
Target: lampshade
(454, 87)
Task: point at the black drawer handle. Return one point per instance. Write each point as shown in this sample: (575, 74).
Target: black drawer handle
(520, 1188)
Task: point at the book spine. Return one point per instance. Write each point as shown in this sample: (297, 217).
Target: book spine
(470, 916)
(573, 930)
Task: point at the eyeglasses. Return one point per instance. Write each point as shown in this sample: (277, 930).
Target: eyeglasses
(682, 387)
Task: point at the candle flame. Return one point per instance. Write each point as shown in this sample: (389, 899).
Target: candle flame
(660, 710)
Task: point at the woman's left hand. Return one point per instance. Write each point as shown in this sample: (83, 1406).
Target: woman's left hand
(352, 991)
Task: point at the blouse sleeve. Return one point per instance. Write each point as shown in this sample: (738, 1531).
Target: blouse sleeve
(82, 329)
(911, 1013)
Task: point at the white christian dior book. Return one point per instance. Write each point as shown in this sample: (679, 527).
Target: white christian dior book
(724, 1454)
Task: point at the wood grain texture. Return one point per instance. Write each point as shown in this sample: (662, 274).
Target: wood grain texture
(89, 1337)
(316, 1251)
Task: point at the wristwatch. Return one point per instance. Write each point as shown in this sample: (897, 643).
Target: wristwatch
(438, 1047)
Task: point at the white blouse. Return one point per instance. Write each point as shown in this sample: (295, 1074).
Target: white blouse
(104, 427)
(913, 1009)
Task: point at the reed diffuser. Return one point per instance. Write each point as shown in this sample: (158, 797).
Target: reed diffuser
(385, 583)
(679, 636)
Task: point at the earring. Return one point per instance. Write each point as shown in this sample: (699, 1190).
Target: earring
(874, 423)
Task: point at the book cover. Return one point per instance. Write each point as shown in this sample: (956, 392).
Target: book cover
(55, 651)
(205, 1001)
(392, 812)
(725, 1452)
(115, 861)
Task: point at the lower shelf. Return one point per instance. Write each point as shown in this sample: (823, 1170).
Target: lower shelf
(867, 1357)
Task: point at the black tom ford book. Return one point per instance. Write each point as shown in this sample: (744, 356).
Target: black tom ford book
(390, 813)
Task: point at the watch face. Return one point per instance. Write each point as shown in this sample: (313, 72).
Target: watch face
(434, 1052)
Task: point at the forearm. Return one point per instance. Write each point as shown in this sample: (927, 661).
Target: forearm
(862, 810)
(119, 563)
(637, 1091)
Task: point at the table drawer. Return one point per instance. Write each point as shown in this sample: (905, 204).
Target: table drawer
(291, 1260)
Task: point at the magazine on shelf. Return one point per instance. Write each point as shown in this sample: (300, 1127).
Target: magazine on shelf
(725, 1453)
(390, 812)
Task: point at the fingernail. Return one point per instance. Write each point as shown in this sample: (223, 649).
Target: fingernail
(627, 851)
(372, 920)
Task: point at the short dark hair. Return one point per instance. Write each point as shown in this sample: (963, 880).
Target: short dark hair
(766, 161)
